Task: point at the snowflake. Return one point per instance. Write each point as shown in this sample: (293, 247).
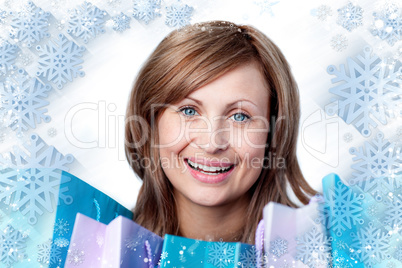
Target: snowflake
(114, 3)
(30, 25)
(376, 166)
(164, 255)
(348, 137)
(132, 243)
(61, 227)
(49, 253)
(100, 240)
(393, 211)
(146, 10)
(391, 265)
(399, 132)
(350, 16)
(279, 247)
(86, 21)
(7, 57)
(178, 15)
(61, 242)
(24, 98)
(388, 24)
(342, 208)
(30, 181)
(121, 22)
(60, 61)
(12, 245)
(251, 258)
(370, 245)
(266, 6)
(60, 25)
(398, 253)
(221, 254)
(362, 90)
(314, 248)
(52, 132)
(323, 12)
(339, 42)
(76, 256)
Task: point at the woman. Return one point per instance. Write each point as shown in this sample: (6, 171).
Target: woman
(212, 128)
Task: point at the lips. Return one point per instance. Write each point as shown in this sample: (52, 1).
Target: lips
(209, 174)
(208, 169)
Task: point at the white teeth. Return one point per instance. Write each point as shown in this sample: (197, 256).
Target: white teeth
(207, 168)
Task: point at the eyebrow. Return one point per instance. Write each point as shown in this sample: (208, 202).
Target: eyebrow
(229, 105)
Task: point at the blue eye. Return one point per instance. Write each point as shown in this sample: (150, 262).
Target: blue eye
(240, 117)
(188, 111)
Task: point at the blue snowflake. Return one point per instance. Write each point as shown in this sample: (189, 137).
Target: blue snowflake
(376, 167)
(7, 57)
(393, 211)
(251, 258)
(3, 16)
(30, 25)
(388, 24)
(86, 21)
(350, 16)
(49, 253)
(322, 12)
(24, 98)
(60, 61)
(365, 91)
(221, 254)
(12, 245)
(61, 227)
(370, 245)
(121, 22)
(279, 247)
(61, 242)
(146, 10)
(266, 6)
(398, 253)
(30, 180)
(314, 248)
(178, 15)
(342, 208)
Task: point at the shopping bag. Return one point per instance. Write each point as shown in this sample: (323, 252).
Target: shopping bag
(121, 243)
(38, 208)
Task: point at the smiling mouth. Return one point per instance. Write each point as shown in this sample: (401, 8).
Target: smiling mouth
(208, 169)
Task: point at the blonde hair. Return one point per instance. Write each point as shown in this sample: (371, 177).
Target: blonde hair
(184, 61)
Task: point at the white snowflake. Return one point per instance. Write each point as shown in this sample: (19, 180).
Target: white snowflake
(3, 16)
(372, 210)
(146, 10)
(377, 164)
(350, 16)
(76, 257)
(266, 6)
(279, 247)
(61, 227)
(24, 98)
(178, 15)
(313, 248)
(30, 25)
(348, 137)
(7, 57)
(164, 255)
(30, 179)
(52, 132)
(86, 22)
(25, 59)
(100, 240)
(121, 22)
(251, 258)
(399, 132)
(12, 246)
(323, 12)
(60, 61)
(342, 208)
(364, 90)
(339, 42)
(370, 245)
(393, 211)
(61, 242)
(221, 254)
(114, 3)
(388, 23)
(49, 253)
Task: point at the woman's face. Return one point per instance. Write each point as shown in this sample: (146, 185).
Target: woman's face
(212, 143)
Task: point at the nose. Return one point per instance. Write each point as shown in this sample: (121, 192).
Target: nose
(212, 136)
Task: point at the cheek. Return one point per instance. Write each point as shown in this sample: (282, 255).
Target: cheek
(171, 130)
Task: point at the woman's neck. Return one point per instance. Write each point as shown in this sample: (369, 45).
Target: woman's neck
(225, 222)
